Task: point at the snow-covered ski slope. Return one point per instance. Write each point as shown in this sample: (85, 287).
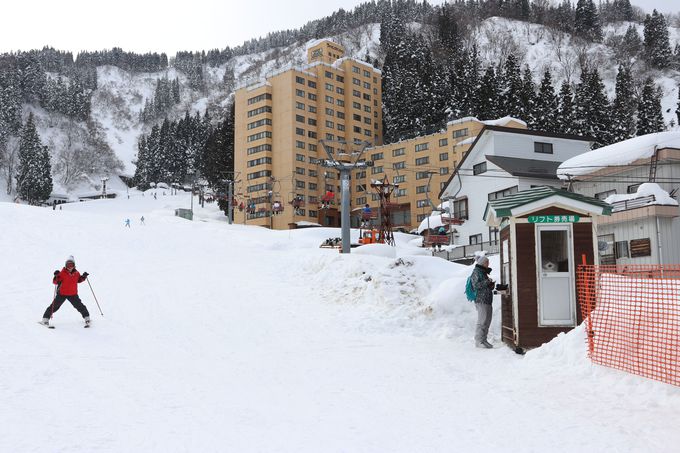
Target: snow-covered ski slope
(223, 338)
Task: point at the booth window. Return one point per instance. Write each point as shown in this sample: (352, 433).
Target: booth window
(633, 188)
(554, 251)
(460, 209)
(605, 194)
(479, 168)
(493, 235)
(476, 239)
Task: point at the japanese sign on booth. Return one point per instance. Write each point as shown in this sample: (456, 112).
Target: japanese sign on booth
(554, 218)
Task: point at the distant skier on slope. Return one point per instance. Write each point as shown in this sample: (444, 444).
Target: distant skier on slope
(127, 223)
(141, 220)
(67, 289)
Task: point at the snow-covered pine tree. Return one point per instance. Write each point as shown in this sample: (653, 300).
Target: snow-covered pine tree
(592, 109)
(657, 46)
(34, 176)
(650, 118)
(511, 89)
(546, 105)
(565, 114)
(217, 156)
(632, 43)
(489, 97)
(624, 106)
(528, 96)
(587, 22)
(677, 108)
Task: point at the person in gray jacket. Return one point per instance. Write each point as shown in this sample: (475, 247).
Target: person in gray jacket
(483, 285)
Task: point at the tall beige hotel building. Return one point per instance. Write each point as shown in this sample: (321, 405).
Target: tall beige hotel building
(281, 120)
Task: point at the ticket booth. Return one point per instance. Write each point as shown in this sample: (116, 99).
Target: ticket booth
(545, 233)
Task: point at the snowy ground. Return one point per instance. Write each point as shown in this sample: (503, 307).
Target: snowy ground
(236, 338)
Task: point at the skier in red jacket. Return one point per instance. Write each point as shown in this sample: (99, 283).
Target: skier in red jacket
(67, 288)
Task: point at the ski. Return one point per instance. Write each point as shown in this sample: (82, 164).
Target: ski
(86, 326)
(46, 325)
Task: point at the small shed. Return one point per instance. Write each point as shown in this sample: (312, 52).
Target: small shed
(545, 233)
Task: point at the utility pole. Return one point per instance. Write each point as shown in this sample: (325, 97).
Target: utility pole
(344, 163)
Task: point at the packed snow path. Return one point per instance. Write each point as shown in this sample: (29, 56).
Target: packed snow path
(218, 338)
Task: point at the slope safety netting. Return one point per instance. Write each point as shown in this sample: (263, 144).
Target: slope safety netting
(632, 316)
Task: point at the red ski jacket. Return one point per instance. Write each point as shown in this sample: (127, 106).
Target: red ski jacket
(68, 282)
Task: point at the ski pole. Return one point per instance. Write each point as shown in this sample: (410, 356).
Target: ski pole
(53, 299)
(95, 297)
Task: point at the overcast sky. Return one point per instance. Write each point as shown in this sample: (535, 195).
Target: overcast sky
(167, 26)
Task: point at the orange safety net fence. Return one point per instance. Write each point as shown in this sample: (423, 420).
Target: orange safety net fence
(632, 317)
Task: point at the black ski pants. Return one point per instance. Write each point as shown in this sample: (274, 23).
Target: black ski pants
(75, 301)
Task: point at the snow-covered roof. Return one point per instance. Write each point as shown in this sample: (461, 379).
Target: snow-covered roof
(497, 122)
(316, 42)
(661, 197)
(621, 153)
(467, 141)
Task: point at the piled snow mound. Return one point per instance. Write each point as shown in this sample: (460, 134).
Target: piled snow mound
(661, 197)
(621, 153)
(384, 250)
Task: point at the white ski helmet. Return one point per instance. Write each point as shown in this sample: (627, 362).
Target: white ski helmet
(70, 259)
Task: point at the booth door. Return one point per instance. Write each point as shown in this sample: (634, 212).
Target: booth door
(555, 276)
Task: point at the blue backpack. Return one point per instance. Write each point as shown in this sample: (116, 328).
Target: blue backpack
(470, 292)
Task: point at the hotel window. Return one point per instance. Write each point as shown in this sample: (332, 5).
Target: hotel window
(330, 99)
(265, 109)
(313, 214)
(300, 157)
(361, 174)
(259, 135)
(311, 134)
(299, 131)
(422, 203)
(312, 109)
(313, 173)
(299, 144)
(543, 148)
(356, 93)
(399, 179)
(443, 156)
(398, 152)
(479, 168)
(423, 160)
(330, 137)
(377, 156)
(460, 133)
(299, 118)
(422, 175)
(311, 121)
(399, 165)
(357, 130)
(367, 120)
(443, 141)
(366, 73)
(341, 127)
(299, 105)
(330, 112)
(311, 97)
(313, 186)
(300, 93)
(340, 90)
(258, 123)
(366, 96)
(330, 124)
(400, 192)
(361, 200)
(356, 117)
(367, 109)
(311, 84)
(300, 170)
(356, 70)
(376, 170)
(299, 184)
(421, 147)
(421, 189)
(356, 105)
(340, 115)
(312, 146)
(356, 81)
(367, 85)
(444, 170)
(330, 87)
(340, 103)
(259, 98)
(361, 188)
(329, 74)
(340, 79)
(300, 80)
(367, 133)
